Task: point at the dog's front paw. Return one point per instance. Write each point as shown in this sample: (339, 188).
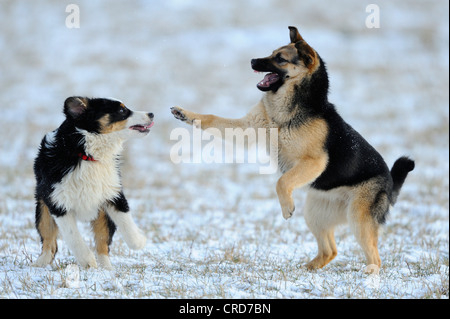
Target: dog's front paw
(181, 114)
(44, 259)
(87, 260)
(178, 113)
(285, 198)
(287, 207)
(288, 210)
(104, 262)
(137, 242)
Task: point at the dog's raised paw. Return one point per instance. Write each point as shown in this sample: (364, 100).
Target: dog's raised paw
(137, 242)
(178, 113)
(288, 212)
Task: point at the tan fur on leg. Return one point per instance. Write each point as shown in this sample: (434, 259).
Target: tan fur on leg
(365, 228)
(327, 250)
(305, 171)
(323, 212)
(48, 230)
(102, 239)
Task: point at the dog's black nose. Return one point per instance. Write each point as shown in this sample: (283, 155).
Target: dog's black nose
(150, 115)
(253, 62)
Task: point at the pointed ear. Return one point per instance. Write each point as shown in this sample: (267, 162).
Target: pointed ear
(75, 106)
(294, 34)
(306, 53)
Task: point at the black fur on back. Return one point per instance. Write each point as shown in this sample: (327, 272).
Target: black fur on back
(56, 159)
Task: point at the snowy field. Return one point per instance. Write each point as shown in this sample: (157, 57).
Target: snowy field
(216, 231)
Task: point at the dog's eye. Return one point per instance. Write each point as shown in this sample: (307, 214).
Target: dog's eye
(279, 59)
(123, 111)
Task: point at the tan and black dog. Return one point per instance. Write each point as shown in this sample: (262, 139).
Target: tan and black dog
(346, 178)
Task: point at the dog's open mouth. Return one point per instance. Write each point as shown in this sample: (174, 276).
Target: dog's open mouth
(142, 128)
(269, 80)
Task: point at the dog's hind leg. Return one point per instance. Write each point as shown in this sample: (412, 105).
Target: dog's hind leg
(48, 231)
(103, 228)
(365, 228)
(327, 248)
(322, 216)
(68, 227)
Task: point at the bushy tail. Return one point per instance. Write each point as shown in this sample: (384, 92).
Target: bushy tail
(399, 171)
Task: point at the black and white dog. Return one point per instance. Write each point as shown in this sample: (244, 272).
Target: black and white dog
(78, 178)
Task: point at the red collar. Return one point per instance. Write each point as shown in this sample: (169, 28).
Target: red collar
(85, 157)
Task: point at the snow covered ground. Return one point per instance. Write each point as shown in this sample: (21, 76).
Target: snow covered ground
(216, 231)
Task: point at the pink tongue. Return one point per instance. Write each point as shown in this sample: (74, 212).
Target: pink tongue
(151, 124)
(269, 79)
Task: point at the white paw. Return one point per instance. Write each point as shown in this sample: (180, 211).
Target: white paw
(104, 262)
(137, 241)
(44, 259)
(86, 259)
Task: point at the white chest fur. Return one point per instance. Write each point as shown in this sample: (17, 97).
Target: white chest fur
(86, 188)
